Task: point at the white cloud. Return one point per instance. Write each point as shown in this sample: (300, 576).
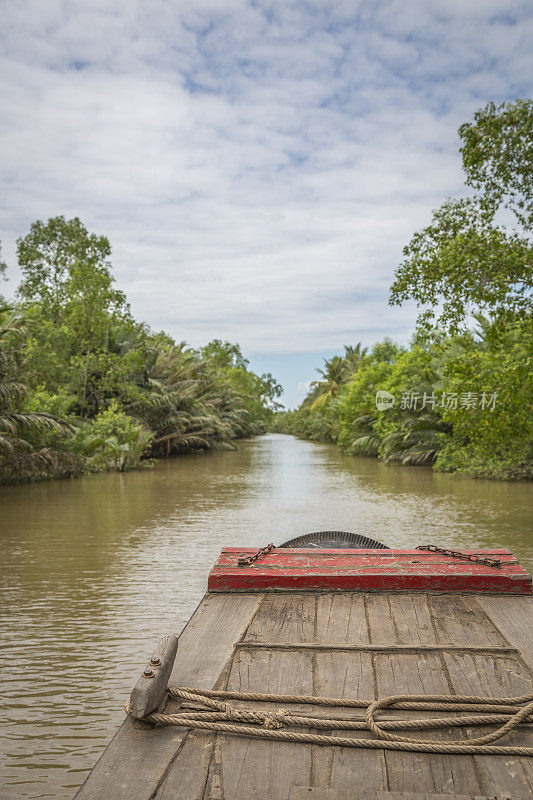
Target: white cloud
(259, 166)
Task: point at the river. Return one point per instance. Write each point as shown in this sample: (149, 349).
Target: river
(97, 570)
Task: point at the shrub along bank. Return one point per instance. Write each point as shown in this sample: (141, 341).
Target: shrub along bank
(84, 387)
(462, 390)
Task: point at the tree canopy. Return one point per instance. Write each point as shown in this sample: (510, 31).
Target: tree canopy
(497, 153)
(459, 397)
(464, 262)
(124, 392)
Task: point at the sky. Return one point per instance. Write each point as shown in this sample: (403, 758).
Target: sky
(258, 166)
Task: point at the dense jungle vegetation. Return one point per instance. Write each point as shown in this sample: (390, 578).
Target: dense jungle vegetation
(84, 387)
(462, 390)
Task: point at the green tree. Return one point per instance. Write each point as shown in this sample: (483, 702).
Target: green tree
(497, 152)
(495, 438)
(113, 441)
(357, 407)
(19, 457)
(224, 355)
(332, 380)
(73, 311)
(464, 263)
(353, 358)
(67, 270)
(3, 268)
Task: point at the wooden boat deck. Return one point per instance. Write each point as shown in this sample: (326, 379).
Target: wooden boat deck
(335, 644)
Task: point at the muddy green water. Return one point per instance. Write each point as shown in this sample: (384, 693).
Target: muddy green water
(96, 570)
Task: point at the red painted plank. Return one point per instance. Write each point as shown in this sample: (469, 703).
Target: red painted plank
(323, 569)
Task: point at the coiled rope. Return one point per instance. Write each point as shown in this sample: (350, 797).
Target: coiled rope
(218, 716)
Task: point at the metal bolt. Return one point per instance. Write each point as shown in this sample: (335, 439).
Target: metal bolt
(148, 673)
(155, 661)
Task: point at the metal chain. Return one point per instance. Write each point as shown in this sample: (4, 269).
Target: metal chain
(245, 561)
(490, 562)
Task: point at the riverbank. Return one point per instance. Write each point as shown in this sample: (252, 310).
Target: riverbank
(84, 387)
(459, 404)
(97, 570)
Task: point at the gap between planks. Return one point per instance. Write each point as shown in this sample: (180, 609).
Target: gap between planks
(375, 648)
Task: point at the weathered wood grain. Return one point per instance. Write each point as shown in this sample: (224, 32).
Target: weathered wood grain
(188, 775)
(353, 569)
(266, 770)
(400, 619)
(411, 620)
(514, 619)
(459, 620)
(422, 772)
(284, 618)
(138, 757)
(341, 617)
(345, 674)
(376, 648)
(149, 691)
(496, 676)
(378, 644)
(314, 793)
(430, 796)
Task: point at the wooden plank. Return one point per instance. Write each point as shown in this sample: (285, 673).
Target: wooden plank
(502, 675)
(430, 796)
(257, 769)
(341, 617)
(343, 768)
(420, 673)
(422, 772)
(313, 793)
(313, 556)
(187, 776)
(285, 618)
(353, 569)
(513, 617)
(134, 764)
(400, 619)
(149, 691)
(496, 676)
(460, 620)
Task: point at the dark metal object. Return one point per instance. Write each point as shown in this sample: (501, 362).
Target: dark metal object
(432, 548)
(245, 561)
(335, 539)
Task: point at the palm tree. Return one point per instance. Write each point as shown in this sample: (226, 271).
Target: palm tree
(17, 454)
(417, 440)
(188, 404)
(353, 357)
(332, 380)
(367, 441)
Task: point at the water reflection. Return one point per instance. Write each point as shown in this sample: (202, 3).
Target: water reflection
(97, 570)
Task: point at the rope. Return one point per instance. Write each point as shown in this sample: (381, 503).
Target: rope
(217, 716)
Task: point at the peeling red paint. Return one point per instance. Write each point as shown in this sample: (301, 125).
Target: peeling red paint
(388, 570)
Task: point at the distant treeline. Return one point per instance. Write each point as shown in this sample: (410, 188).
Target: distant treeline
(459, 397)
(84, 387)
